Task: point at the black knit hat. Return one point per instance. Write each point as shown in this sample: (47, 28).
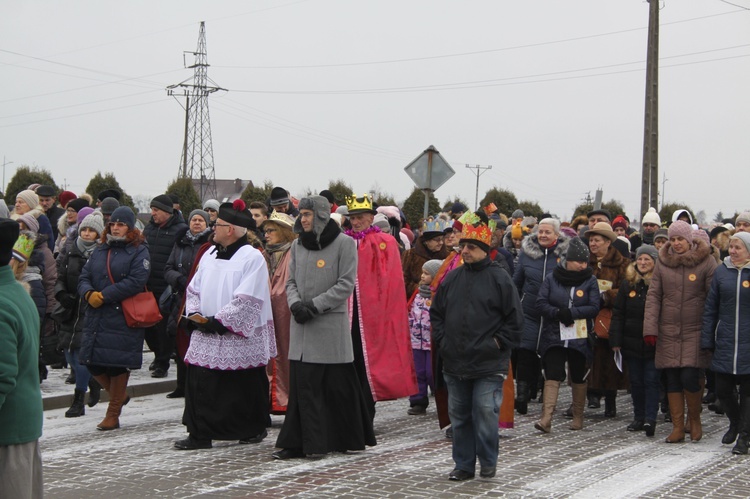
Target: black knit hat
(577, 251)
(77, 204)
(108, 193)
(279, 196)
(9, 230)
(163, 203)
(328, 195)
(600, 212)
(236, 213)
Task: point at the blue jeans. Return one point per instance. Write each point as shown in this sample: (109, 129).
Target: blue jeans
(644, 388)
(474, 409)
(82, 373)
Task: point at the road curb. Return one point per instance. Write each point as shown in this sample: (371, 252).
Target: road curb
(137, 390)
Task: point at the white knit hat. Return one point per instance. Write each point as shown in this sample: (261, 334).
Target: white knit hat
(651, 217)
(29, 197)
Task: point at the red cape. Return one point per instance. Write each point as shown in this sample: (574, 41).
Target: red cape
(383, 321)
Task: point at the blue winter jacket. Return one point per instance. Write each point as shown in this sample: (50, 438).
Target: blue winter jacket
(554, 296)
(726, 319)
(534, 265)
(107, 339)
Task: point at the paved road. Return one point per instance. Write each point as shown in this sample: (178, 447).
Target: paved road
(412, 459)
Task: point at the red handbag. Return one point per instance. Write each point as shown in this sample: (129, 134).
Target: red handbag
(140, 310)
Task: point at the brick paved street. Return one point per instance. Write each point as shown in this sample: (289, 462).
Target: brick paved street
(412, 459)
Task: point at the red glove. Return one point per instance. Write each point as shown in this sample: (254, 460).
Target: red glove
(650, 340)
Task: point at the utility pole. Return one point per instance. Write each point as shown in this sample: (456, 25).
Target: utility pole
(197, 160)
(480, 170)
(5, 163)
(650, 171)
(664, 181)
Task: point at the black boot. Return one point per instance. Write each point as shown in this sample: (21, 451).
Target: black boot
(71, 379)
(742, 440)
(522, 397)
(594, 399)
(732, 409)
(95, 391)
(77, 408)
(610, 404)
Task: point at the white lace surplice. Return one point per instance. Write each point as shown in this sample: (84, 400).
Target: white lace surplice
(237, 293)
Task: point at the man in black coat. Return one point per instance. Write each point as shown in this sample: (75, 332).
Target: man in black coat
(161, 233)
(476, 320)
(48, 200)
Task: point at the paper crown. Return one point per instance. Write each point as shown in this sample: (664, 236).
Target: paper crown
(436, 225)
(474, 228)
(23, 247)
(490, 209)
(362, 204)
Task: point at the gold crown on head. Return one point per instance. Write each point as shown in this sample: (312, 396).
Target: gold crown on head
(359, 204)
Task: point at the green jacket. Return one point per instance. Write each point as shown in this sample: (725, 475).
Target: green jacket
(20, 397)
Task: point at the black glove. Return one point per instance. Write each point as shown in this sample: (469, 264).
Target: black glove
(213, 326)
(566, 316)
(309, 305)
(296, 307)
(66, 300)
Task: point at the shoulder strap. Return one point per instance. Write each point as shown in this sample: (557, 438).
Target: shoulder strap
(109, 272)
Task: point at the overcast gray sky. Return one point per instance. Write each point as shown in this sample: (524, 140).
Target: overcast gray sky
(550, 93)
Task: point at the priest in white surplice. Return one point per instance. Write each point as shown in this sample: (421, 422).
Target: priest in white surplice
(228, 310)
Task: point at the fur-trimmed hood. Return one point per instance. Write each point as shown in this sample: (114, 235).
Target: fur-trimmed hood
(531, 247)
(634, 277)
(691, 258)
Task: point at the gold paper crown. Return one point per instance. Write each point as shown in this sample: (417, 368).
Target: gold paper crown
(474, 228)
(356, 204)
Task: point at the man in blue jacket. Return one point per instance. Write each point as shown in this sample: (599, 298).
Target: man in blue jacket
(476, 320)
(20, 397)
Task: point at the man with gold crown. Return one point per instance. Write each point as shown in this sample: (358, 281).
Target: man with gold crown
(380, 327)
(428, 246)
(476, 320)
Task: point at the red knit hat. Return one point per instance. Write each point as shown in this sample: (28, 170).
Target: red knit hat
(65, 197)
(619, 221)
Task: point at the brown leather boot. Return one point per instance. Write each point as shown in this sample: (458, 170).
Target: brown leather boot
(677, 410)
(549, 401)
(579, 402)
(694, 406)
(117, 393)
(103, 380)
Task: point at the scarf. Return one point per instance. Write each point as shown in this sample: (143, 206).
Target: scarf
(646, 277)
(274, 254)
(85, 247)
(425, 291)
(572, 277)
(311, 241)
(115, 241)
(192, 238)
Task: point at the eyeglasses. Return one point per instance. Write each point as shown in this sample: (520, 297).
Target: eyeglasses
(269, 231)
(469, 246)
(211, 210)
(117, 224)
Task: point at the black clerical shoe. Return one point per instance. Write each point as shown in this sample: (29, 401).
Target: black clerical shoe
(177, 394)
(488, 472)
(256, 439)
(284, 454)
(159, 372)
(191, 443)
(460, 475)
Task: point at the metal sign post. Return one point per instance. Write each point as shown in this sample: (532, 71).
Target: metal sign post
(429, 171)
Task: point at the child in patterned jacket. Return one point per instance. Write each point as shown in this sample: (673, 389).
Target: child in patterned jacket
(420, 330)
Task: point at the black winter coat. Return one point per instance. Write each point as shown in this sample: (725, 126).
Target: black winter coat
(626, 328)
(178, 269)
(476, 320)
(161, 240)
(68, 274)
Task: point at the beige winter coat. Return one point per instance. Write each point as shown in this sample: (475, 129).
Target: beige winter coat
(674, 305)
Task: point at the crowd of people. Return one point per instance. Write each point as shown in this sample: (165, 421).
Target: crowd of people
(317, 311)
